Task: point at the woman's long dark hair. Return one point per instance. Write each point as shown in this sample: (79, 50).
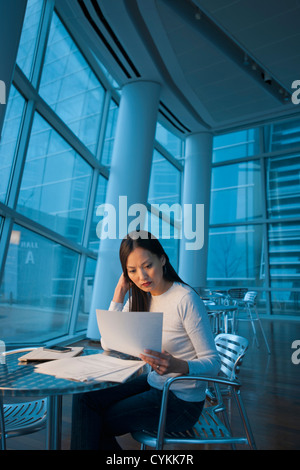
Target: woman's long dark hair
(139, 300)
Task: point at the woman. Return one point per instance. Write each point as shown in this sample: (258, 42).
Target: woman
(187, 348)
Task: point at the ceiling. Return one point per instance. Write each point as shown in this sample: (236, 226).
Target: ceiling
(221, 63)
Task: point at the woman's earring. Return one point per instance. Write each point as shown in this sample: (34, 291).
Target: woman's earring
(164, 269)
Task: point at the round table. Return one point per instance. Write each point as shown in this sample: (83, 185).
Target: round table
(224, 311)
(21, 380)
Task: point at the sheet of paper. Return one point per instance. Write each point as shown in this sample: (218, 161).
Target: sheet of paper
(94, 368)
(131, 332)
(41, 354)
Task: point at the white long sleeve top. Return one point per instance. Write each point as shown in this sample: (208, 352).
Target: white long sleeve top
(186, 335)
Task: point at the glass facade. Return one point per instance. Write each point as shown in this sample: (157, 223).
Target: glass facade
(55, 155)
(9, 139)
(261, 191)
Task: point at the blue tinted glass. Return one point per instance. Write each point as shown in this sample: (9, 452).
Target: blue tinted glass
(164, 182)
(110, 133)
(99, 199)
(285, 135)
(86, 294)
(9, 138)
(235, 145)
(283, 183)
(235, 256)
(70, 87)
(172, 143)
(55, 184)
(236, 193)
(284, 249)
(29, 36)
(37, 285)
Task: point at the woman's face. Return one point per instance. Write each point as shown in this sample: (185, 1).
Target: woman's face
(145, 270)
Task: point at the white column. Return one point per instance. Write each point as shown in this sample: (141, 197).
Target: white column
(129, 178)
(196, 190)
(12, 14)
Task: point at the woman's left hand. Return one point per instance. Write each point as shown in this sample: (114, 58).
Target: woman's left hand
(164, 363)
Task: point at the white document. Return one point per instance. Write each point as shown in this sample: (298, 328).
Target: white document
(91, 368)
(41, 354)
(131, 332)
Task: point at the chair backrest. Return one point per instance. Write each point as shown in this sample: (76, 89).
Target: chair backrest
(238, 292)
(250, 296)
(231, 349)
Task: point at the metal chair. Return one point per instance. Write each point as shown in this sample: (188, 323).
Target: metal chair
(212, 426)
(237, 292)
(18, 419)
(248, 304)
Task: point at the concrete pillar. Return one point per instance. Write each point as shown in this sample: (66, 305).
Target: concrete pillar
(129, 179)
(12, 14)
(196, 191)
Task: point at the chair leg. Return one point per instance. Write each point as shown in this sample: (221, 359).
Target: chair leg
(2, 426)
(253, 326)
(262, 330)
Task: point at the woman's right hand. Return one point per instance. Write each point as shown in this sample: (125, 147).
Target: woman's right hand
(121, 289)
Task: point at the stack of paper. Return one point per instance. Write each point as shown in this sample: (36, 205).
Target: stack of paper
(41, 354)
(94, 368)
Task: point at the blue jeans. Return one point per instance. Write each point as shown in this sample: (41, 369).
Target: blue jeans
(97, 417)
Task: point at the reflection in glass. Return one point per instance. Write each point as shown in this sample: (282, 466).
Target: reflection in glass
(36, 289)
(235, 256)
(86, 294)
(283, 186)
(99, 199)
(28, 41)
(164, 182)
(236, 193)
(70, 87)
(110, 133)
(55, 184)
(284, 255)
(236, 145)
(285, 135)
(169, 141)
(9, 138)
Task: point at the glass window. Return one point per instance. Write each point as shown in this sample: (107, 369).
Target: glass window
(99, 199)
(9, 138)
(284, 258)
(235, 145)
(285, 135)
(236, 193)
(86, 294)
(164, 181)
(283, 184)
(285, 302)
(70, 87)
(110, 133)
(55, 184)
(235, 256)
(36, 289)
(169, 141)
(29, 36)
